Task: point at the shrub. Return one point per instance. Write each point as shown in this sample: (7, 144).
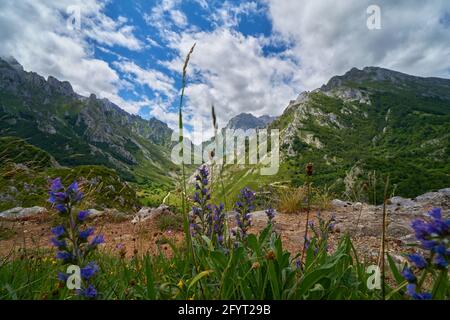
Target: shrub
(292, 200)
(170, 222)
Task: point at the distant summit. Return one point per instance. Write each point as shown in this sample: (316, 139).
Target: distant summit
(247, 121)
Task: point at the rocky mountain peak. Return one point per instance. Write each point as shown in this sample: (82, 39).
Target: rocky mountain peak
(60, 87)
(247, 121)
(13, 63)
(369, 75)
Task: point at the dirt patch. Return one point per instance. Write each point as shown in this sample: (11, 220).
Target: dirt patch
(128, 239)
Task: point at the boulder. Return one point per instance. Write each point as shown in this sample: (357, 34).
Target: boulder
(19, 213)
(402, 202)
(398, 229)
(339, 203)
(93, 213)
(149, 213)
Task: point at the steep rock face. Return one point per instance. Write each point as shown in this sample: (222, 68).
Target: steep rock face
(81, 130)
(372, 119)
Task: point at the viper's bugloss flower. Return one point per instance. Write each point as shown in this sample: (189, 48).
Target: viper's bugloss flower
(411, 290)
(418, 260)
(84, 234)
(64, 256)
(58, 231)
(60, 244)
(56, 185)
(82, 215)
(62, 276)
(433, 236)
(219, 222)
(202, 216)
(99, 239)
(77, 249)
(61, 208)
(270, 212)
(409, 275)
(89, 270)
(440, 261)
(88, 292)
(243, 207)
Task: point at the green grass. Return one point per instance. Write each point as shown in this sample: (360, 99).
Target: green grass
(251, 272)
(414, 150)
(24, 177)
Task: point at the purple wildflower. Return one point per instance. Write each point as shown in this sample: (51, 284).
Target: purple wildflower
(82, 215)
(86, 233)
(62, 276)
(418, 260)
(99, 239)
(409, 275)
(89, 270)
(270, 212)
(64, 256)
(58, 231)
(243, 207)
(88, 292)
(60, 244)
(411, 290)
(76, 251)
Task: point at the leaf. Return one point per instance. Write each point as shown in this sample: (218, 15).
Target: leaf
(395, 272)
(151, 294)
(252, 242)
(208, 243)
(198, 277)
(273, 278)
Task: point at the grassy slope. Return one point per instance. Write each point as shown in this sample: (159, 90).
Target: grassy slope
(414, 149)
(69, 144)
(25, 170)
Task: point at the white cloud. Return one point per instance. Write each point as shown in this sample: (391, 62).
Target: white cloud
(179, 18)
(229, 70)
(107, 31)
(165, 14)
(229, 15)
(331, 37)
(36, 33)
(153, 79)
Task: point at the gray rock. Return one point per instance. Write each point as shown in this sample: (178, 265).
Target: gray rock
(93, 213)
(399, 201)
(22, 213)
(398, 229)
(149, 213)
(339, 203)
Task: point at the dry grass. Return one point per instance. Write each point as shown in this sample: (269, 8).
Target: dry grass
(292, 200)
(322, 198)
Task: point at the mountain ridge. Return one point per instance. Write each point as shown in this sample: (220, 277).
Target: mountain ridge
(52, 116)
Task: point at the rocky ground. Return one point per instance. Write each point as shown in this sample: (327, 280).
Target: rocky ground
(134, 235)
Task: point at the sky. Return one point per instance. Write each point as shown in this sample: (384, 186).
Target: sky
(250, 56)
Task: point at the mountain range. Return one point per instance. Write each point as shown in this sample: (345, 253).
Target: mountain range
(245, 121)
(360, 128)
(79, 130)
(366, 120)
